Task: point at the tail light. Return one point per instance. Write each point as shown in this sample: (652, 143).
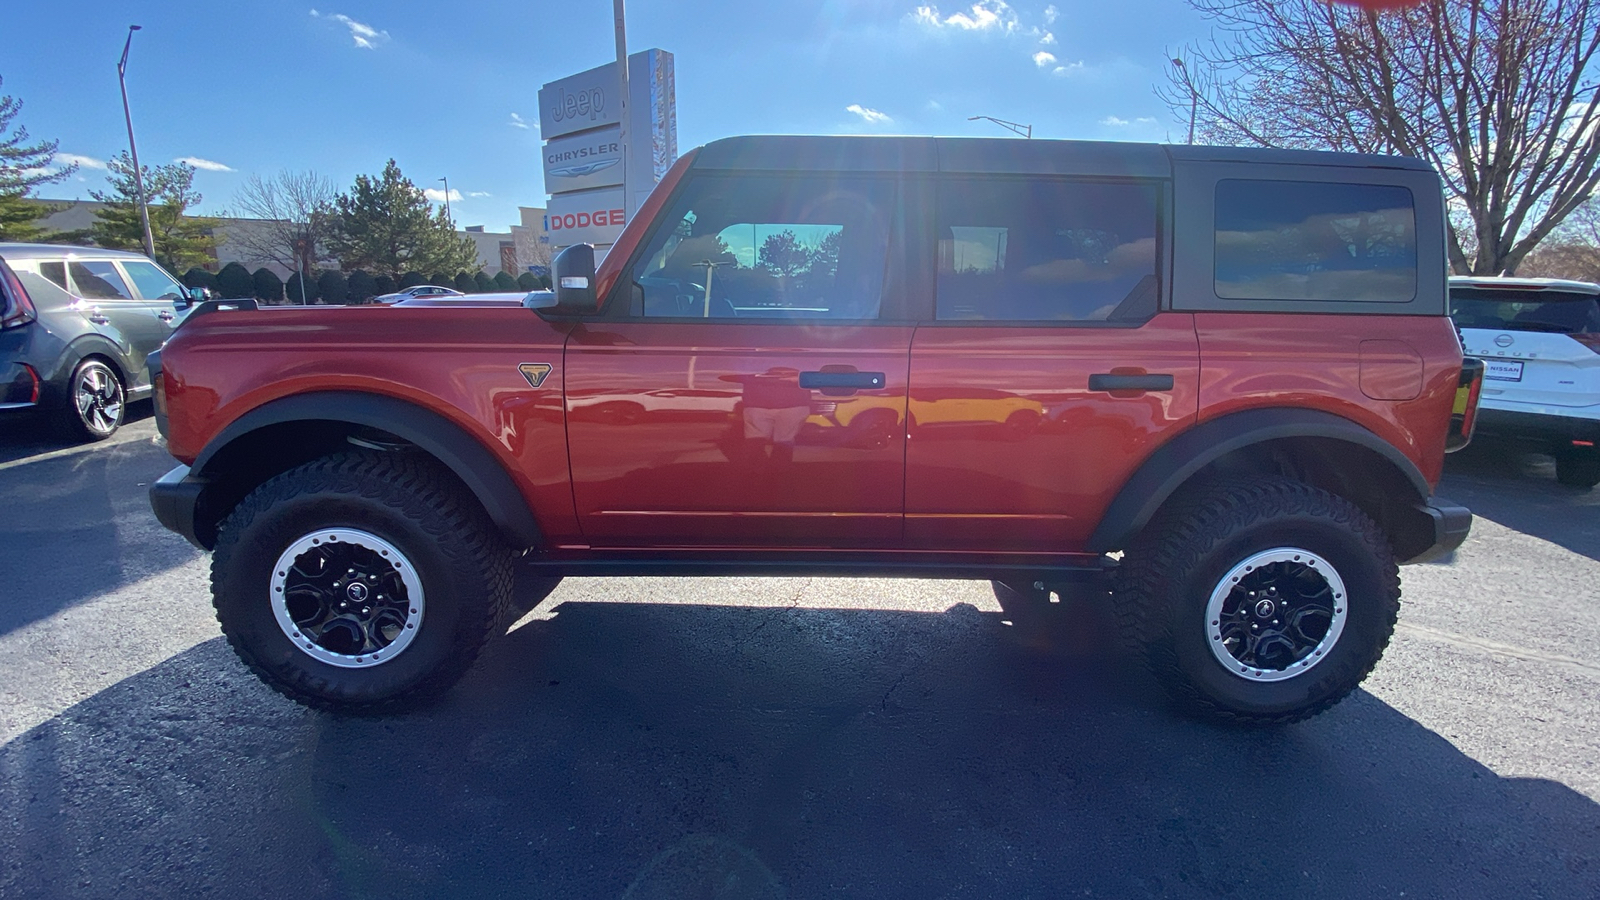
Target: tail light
(16, 307)
(1464, 415)
(1592, 341)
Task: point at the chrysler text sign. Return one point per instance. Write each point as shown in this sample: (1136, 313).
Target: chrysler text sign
(592, 217)
(582, 161)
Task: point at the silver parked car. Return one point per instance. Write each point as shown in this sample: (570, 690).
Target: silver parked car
(430, 291)
(76, 324)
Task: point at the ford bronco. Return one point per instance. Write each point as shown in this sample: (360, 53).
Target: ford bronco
(1220, 382)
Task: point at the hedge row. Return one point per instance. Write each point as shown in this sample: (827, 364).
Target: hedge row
(357, 287)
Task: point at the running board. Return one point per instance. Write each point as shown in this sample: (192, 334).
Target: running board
(1093, 569)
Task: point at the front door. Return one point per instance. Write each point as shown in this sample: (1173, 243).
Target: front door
(746, 387)
(1047, 374)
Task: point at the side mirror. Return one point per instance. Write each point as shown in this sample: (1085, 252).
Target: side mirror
(539, 300)
(572, 280)
(192, 296)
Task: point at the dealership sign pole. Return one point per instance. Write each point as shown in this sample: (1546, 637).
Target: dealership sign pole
(622, 101)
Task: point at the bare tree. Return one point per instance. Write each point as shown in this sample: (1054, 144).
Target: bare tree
(293, 211)
(1501, 96)
(1571, 251)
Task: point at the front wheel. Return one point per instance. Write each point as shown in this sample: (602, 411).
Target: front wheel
(360, 581)
(1260, 601)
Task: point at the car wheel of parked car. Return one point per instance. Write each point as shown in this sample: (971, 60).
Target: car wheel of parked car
(95, 402)
(1578, 466)
(360, 581)
(1260, 600)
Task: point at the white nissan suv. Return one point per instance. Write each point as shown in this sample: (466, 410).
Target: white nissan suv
(1539, 339)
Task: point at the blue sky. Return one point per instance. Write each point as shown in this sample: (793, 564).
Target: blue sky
(339, 86)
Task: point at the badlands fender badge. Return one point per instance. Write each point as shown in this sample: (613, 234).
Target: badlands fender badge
(535, 372)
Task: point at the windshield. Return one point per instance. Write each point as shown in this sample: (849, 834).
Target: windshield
(1551, 311)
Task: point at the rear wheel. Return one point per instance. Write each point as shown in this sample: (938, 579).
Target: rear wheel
(1578, 466)
(360, 581)
(1260, 601)
(95, 402)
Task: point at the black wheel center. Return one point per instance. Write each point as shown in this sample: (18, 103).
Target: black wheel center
(1277, 615)
(346, 598)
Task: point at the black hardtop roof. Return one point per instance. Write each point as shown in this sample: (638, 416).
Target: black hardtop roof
(1003, 156)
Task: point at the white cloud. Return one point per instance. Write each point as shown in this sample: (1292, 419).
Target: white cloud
(208, 165)
(1042, 59)
(479, 194)
(1047, 39)
(1114, 121)
(438, 196)
(82, 162)
(984, 15)
(1068, 69)
(935, 106)
(519, 122)
(1050, 14)
(867, 114)
(364, 35)
(1144, 120)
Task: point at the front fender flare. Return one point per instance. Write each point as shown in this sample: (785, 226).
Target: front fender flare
(459, 451)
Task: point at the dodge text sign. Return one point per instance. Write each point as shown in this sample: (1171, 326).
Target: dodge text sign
(592, 217)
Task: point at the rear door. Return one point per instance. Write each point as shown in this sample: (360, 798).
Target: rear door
(1047, 373)
(115, 311)
(747, 387)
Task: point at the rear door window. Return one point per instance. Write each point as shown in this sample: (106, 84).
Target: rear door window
(1045, 250)
(1300, 240)
(98, 280)
(769, 247)
(56, 272)
(1557, 312)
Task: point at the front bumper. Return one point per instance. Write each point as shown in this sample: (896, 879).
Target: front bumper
(1451, 525)
(175, 498)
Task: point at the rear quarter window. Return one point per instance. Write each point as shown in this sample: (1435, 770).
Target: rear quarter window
(1315, 241)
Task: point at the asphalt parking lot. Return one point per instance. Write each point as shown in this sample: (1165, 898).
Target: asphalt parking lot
(656, 738)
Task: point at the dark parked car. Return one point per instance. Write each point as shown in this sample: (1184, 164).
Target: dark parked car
(76, 324)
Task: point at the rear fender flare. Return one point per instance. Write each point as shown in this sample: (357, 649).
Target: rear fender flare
(1175, 462)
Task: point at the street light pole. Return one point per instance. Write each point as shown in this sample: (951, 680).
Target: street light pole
(1192, 96)
(133, 149)
(1024, 130)
(447, 202)
(622, 106)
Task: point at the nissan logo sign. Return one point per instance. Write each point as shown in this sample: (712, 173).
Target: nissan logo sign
(1504, 340)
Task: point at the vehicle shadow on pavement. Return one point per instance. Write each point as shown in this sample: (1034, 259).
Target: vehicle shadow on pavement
(665, 749)
(1506, 482)
(25, 435)
(78, 525)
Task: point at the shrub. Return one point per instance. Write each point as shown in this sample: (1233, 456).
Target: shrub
(465, 284)
(383, 284)
(291, 288)
(485, 283)
(333, 288)
(361, 287)
(504, 282)
(412, 279)
(200, 278)
(528, 281)
(268, 286)
(234, 282)
(440, 279)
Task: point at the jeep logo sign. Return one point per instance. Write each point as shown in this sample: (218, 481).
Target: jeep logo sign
(587, 104)
(578, 102)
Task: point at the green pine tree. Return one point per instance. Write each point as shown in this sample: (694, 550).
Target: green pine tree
(24, 166)
(181, 241)
(386, 225)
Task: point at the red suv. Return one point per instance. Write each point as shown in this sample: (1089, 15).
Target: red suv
(1221, 380)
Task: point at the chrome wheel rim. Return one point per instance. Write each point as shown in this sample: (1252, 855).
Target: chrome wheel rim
(98, 397)
(1276, 614)
(347, 598)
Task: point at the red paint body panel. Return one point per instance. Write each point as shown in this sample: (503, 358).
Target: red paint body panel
(459, 363)
(691, 434)
(1009, 448)
(1253, 360)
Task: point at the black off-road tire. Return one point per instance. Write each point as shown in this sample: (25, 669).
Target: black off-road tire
(464, 567)
(1578, 466)
(1168, 574)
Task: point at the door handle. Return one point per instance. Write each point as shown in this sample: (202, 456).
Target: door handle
(1108, 381)
(165, 316)
(846, 382)
(98, 317)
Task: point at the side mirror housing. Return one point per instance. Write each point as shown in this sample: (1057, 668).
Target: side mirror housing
(539, 300)
(572, 281)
